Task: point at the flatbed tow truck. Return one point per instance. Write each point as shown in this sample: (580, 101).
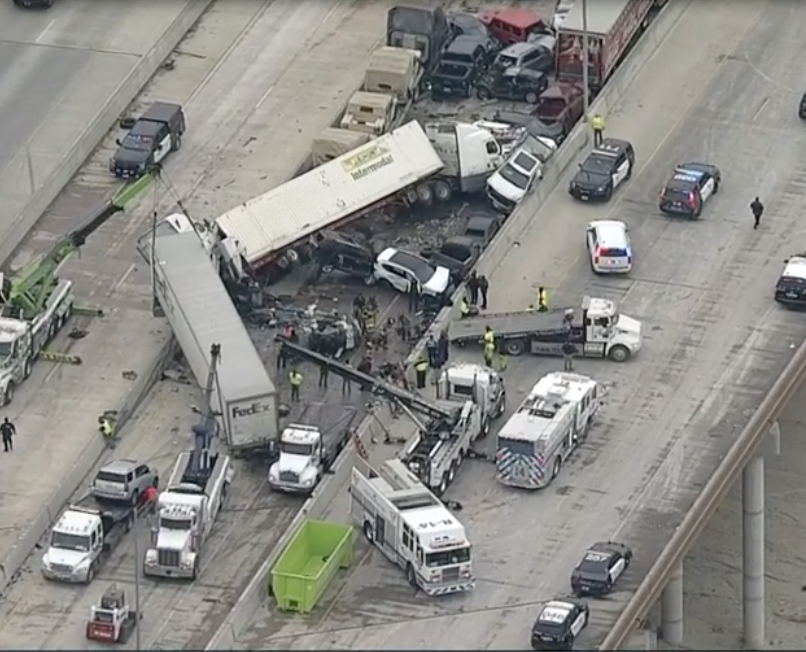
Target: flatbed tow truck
(35, 303)
(598, 330)
(309, 447)
(473, 396)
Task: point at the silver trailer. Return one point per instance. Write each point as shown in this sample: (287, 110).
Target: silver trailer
(201, 313)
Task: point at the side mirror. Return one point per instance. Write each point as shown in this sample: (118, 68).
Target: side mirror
(118, 142)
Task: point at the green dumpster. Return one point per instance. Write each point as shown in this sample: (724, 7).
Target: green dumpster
(309, 563)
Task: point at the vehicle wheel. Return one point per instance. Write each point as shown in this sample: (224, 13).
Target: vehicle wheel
(609, 193)
(451, 474)
(698, 212)
(483, 93)
(443, 485)
(293, 256)
(629, 173)
(411, 196)
(195, 572)
(619, 353)
(177, 142)
(411, 576)
(515, 347)
(369, 535)
(91, 574)
(485, 428)
(585, 430)
(716, 185)
(531, 98)
(424, 194)
(135, 497)
(370, 280)
(442, 191)
(327, 269)
(502, 407)
(8, 395)
(27, 367)
(555, 469)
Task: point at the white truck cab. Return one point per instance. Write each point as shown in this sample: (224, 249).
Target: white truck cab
(75, 543)
(16, 360)
(482, 385)
(298, 467)
(620, 335)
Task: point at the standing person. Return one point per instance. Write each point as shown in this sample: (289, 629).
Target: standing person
(421, 371)
(295, 380)
(473, 288)
(568, 356)
(598, 126)
(346, 385)
(758, 210)
(542, 299)
(7, 430)
(282, 356)
(489, 352)
(444, 347)
(432, 347)
(503, 361)
(484, 286)
(323, 374)
(414, 296)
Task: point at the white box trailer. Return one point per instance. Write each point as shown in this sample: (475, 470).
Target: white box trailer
(201, 313)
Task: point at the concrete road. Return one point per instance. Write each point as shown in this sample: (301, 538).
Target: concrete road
(724, 89)
(235, 74)
(57, 68)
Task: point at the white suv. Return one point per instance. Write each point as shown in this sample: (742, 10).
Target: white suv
(609, 247)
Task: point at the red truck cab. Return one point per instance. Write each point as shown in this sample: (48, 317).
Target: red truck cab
(512, 24)
(561, 103)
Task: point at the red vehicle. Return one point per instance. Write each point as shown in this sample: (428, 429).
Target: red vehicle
(513, 25)
(612, 28)
(560, 104)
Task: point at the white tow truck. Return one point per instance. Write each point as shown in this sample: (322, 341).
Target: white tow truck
(195, 493)
(412, 527)
(308, 449)
(553, 420)
(472, 396)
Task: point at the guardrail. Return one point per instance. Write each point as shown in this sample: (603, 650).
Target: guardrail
(714, 492)
(254, 595)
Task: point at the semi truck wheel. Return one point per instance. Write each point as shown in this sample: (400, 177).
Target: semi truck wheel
(515, 347)
(411, 576)
(424, 194)
(368, 533)
(619, 353)
(443, 191)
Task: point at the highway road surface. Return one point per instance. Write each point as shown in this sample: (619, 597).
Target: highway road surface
(256, 79)
(57, 69)
(723, 88)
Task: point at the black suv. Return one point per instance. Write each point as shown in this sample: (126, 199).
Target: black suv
(342, 253)
(605, 169)
(463, 60)
(518, 84)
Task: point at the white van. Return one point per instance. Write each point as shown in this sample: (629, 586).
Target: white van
(609, 247)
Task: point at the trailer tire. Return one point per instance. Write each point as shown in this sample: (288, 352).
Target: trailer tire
(515, 347)
(425, 195)
(443, 191)
(411, 196)
(619, 353)
(369, 535)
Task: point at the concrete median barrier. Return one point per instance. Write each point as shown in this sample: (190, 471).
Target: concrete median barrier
(95, 131)
(254, 595)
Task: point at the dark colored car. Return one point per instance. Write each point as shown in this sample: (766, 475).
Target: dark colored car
(790, 290)
(482, 228)
(605, 169)
(802, 107)
(600, 568)
(457, 254)
(559, 623)
(34, 4)
(154, 135)
(337, 252)
(518, 84)
(463, 61)
(691, 185)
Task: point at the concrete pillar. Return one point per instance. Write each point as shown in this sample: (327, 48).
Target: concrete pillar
(671, 608)
(753, 607)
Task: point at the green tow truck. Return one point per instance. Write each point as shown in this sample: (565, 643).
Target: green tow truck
(35, 303)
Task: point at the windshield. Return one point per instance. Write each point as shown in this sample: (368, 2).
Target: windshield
(476, 233)
(596, 165)
(106, 476)
(458, 57)
(137, 142)
(64, 541)
(448, 557)
(525, 162)
(613, 252)
(456, 251)
(463, 390)
(6, 349)
(515, 177)
(296, 449)
(422, 270)
(452, 70)
(172, 523)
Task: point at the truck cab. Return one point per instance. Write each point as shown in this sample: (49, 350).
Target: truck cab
(299, 465)
(16, 360)
(470, 154)
(476, 383)
(419, 28)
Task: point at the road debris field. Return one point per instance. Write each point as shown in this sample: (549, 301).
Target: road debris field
(714, 341)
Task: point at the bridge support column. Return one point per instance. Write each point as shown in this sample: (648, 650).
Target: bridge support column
(671, 607)
(753, 606)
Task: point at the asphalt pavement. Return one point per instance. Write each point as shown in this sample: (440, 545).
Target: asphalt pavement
(723, 88)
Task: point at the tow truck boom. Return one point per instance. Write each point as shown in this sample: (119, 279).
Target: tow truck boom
(377, 385)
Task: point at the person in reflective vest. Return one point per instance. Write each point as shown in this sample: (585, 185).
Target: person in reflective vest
(489, 335)
(598, 126)
(503, 361)
(295, 380)
(489, 352)
(464, 307)
(542, 299)
(421, 370)
(106, 426)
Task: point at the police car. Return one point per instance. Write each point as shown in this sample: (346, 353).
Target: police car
(691, 185)
(605, 169)
(559, 623)
(600, 568)
(790, 290)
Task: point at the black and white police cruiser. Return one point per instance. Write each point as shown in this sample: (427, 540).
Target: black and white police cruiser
(600, 568)
(790, 290)
(605, 169)
(691, 185)
(559, 623)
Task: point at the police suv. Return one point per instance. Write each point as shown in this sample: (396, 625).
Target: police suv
(600, 568)
(605, 169)
(691, 185)
(559, 623)
(790, 290)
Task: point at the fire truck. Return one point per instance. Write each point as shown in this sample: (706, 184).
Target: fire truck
(412, 527)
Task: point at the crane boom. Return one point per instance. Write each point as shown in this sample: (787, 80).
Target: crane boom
(25, 293)
(378, 386)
